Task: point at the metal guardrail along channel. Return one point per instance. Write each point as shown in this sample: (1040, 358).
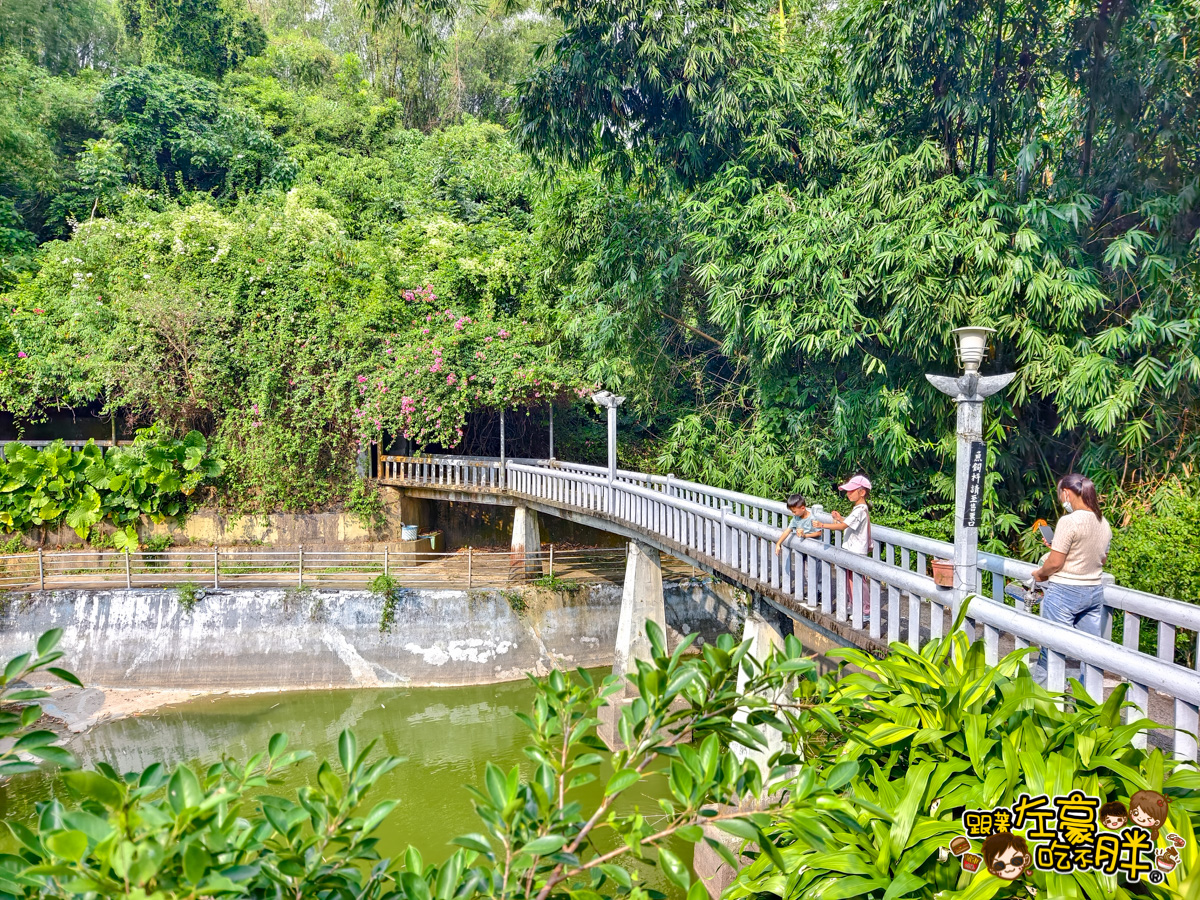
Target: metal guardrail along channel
(258, 568)
(736, 533)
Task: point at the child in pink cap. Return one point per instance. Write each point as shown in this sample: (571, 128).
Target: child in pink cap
(857, 528)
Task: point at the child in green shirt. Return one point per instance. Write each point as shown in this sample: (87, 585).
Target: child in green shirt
(801, 522)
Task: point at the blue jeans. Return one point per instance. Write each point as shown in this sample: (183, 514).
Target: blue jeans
(1079, 605)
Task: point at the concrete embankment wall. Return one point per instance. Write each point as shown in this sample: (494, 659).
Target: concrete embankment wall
(459, 524)
(256, 639)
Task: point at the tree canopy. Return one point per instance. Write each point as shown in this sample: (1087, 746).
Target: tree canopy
(760, 221)
(829, 191)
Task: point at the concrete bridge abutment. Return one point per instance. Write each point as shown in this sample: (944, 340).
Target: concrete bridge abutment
(400, 508)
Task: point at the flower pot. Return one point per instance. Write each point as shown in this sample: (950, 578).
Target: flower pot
(943, 573)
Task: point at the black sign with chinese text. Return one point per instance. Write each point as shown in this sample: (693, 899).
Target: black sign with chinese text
(972, 511)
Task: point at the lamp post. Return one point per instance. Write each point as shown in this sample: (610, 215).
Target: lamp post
(610, 401)
(503, 459)
(969, 391)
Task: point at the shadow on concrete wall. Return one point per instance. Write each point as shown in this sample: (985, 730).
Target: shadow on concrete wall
(481, 525)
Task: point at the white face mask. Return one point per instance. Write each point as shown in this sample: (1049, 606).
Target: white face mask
(1067, 506)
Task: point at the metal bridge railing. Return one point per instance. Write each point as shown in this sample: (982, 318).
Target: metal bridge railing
(735, 533)
(1171, 619)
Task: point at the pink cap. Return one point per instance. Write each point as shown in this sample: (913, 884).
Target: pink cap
(858, 481)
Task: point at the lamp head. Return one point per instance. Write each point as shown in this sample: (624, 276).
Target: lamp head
(607, 399)
(972, 346)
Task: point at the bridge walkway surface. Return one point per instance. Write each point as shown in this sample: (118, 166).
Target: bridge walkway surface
(730, 535)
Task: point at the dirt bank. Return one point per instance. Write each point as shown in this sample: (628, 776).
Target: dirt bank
(73, 710)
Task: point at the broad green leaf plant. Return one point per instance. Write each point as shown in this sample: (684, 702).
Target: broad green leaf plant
(935, 732)
(154, 478)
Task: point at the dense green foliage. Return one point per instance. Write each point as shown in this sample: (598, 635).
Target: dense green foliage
(153, 478)
(266, 251)
(800, 202)
(288, 341)
(1157, 550)
(759, 221)
(872, 779)
(201, 36)
(940, 731)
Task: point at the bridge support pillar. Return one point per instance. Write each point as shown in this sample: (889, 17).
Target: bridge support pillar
(766, 629)
(641, 602)
(525, 554)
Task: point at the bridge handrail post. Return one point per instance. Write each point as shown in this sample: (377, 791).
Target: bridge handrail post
(300, 567)
(385, 559)
(726, 535)
(469, 572)
(128, 575)
(552, 561)
(216, 567)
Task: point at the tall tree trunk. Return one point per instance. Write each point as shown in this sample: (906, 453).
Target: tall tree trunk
(1104, 31)
(996, 88)
(951, 139)
(456, 83)
(1096, 40)
(1089, 125)
(1023, 174)
(978, 118)
(991, 147)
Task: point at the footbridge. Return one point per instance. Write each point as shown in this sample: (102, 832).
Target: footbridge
(888, 598)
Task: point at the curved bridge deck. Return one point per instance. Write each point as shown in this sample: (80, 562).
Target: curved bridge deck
(869, 602)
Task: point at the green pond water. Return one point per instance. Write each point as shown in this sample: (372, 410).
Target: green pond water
(446, 736)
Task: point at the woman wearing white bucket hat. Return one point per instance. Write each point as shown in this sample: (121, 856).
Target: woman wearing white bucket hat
(857, 528)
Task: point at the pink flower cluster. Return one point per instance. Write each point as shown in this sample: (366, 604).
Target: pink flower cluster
(421, 295)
